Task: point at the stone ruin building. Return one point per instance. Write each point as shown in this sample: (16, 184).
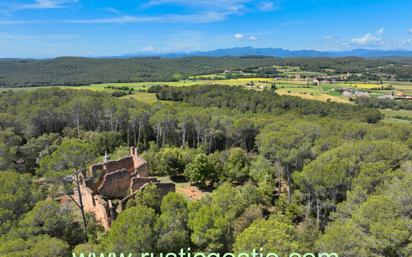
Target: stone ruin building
(106, 187)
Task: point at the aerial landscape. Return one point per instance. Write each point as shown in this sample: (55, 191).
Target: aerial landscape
(233, 128)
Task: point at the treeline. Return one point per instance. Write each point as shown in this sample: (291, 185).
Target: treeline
(282, 181)
(83, 71)
(377, 103)
(266, 102)
(369, 69)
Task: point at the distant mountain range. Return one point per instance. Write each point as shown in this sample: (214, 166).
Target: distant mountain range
(279, 52)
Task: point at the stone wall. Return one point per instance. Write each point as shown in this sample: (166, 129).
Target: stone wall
(115, 185)
(140, 165)
(101, 212)
(99, 207)
(96, 205)
(134, 164)
(87, 198)
(124, 163)
(119, 179)
(92, 172)
(142, 170)
(164, 189)
(138, 182)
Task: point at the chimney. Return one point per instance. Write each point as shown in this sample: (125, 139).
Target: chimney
(106, 157)
(133, 151)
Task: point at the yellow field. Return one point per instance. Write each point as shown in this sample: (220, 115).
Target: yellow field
(136, 85)
(146, 85)
(317, 97)
(293, 87)
(362, 85)
(143, 97)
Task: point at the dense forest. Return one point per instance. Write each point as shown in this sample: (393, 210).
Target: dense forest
(383, 103)
(264, 102)
(284, 174)
(82, 71)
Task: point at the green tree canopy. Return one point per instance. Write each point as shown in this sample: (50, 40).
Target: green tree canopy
(200, 170)
(211, 219)
(71, 154)
(171, 227)
(16, 198)
(237, 165)
(9, 144)
(133, 231)
(36, 246)
(50, 218)
(273, 235)
(149, 196)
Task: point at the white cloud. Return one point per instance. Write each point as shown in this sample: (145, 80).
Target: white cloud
(329, 37)
(220, 5)
(369, 40)
(42, 4)
(206, 17)
(149, 49)
(216, 10)
(366, 39)
(16, 22)
(111, 10)
(116, 20)
(266, 6)
(198, 18)
(211, 11)
(233, 6)
(410, 31)
(238, 36)
(36, 37)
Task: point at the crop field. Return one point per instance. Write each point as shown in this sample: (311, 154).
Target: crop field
(304, 90)
(293, 86)
(291, 71)
(146, 85)
(397, 116)
(221, 75)
(312, 94)
(360, 85)
(144, 97)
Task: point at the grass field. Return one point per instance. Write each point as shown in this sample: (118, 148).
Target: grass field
(360, 85)
(146, 85)
(306, 90)
(315, 96)
(295, 87)
(143, 97)
(293, 71)
(331, 89)
(298, 88)
(397, 116)
(292, 86)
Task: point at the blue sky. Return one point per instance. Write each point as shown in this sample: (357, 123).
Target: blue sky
(49, 28)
